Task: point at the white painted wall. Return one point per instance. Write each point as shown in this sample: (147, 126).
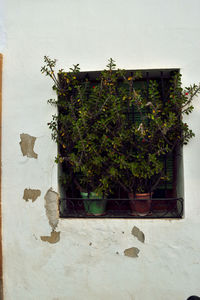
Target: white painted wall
(137, 34)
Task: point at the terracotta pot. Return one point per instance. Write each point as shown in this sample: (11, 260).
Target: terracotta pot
(141, 204)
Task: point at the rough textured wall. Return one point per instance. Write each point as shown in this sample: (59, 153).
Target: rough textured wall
(50, 259)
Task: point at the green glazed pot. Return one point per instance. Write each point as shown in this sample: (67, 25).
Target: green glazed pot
(94, 207)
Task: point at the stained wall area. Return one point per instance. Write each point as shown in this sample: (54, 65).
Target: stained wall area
(45, 257)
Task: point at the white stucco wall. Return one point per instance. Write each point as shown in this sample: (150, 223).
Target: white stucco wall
(137, 34)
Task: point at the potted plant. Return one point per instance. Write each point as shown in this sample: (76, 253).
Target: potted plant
(80, 130)
(159, 129)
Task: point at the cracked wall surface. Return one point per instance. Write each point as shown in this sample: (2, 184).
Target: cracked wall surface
(30, 194)
(51, 206)
(53, 238)
(27, 144)
(132, 252)
(84, 263)
(138, 234)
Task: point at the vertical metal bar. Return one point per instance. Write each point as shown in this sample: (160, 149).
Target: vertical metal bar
(119, 192)
(163, 100)
(147, 80)
(132, 108)
(162, 86)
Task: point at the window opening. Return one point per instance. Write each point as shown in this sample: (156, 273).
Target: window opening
(165, 201)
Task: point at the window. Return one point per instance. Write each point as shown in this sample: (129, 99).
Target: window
(166, 200)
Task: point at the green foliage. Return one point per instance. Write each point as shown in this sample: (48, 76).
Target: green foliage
(115, 131)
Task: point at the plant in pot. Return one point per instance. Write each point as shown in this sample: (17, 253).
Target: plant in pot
(81, 129)
(147, 142)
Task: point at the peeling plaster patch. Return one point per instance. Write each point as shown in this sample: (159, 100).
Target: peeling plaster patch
(53, 238)
(31, 194)
(27, 144)
(51, 206)
(138, 234)
(131, 252)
